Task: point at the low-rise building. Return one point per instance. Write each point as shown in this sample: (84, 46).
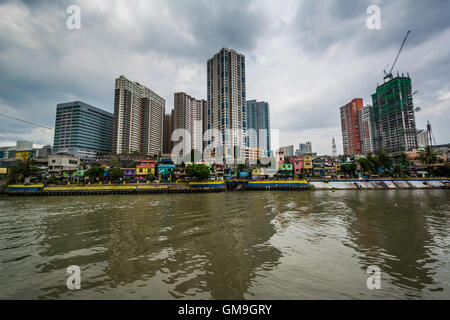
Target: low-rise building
(297, 163)
(166, 169)
(279, 158)
(307, 165)
(58, 163)
(286, 169)
(129, 172)
(146, 167)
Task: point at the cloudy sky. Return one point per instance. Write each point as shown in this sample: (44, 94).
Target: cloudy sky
(306, 58)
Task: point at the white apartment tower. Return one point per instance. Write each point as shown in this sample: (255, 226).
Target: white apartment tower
(227, 100)
(366, 130)
(138, 118)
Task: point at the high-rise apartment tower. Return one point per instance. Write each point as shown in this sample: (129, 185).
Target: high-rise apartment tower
(138, 118)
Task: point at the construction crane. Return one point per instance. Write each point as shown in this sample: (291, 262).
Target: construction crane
(25, 121)
(430, 136)
(388, 75)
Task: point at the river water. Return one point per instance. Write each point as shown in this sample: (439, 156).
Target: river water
(230, 245)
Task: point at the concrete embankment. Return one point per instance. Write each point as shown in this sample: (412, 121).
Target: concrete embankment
(379, 184)
(219, 186)
(277, 185)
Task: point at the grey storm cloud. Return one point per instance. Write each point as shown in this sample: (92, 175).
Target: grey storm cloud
(306, 58)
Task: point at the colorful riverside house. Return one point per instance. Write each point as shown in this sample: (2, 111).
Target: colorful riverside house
(78, 176)
(279, 158)
(145, 167)
(258, 173)
(318, 167)
(286, 169)
(297, 163)
(129, 172)
(330, 171)
(307, 165)
(165, 171)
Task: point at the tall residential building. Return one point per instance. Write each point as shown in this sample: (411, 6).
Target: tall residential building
(303, 148)
(366, 129)
(167, 132)
(422, 138)
(258, 118)
(350, 127)
(188, 114)
(227, 100)
(138, 118)
(82, 127)
(288, 151)
(393, 116)
(309, 147)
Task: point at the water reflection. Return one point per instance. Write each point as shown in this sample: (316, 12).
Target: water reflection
(206, 244)
(392, 230)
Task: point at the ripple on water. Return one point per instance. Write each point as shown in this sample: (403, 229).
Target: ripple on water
(232, 245)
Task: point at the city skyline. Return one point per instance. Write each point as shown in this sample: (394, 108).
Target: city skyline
(278, 45)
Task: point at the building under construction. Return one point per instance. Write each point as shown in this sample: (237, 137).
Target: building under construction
(393, 116)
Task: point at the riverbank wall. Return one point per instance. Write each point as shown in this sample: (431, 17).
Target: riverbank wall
(374, 184)
(277, 185)
(103, 189)
(220, 186)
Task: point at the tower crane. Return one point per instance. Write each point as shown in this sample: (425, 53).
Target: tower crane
(388, 75)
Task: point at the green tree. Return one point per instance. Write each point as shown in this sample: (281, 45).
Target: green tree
(401, 164)
(403, 159)
(374, 162)
(428, 157)
(384, 160)
(399, 171)
(151, 177)
(442, 171)
(95, 172)
(52, 180)
(348, 169)
(114, 163)
(365, 165)
(115, 174)
(24, 169)
(198, 171)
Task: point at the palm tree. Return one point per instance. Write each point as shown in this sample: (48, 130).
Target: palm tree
(403, 159)
(428, 157)
(400, 167)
